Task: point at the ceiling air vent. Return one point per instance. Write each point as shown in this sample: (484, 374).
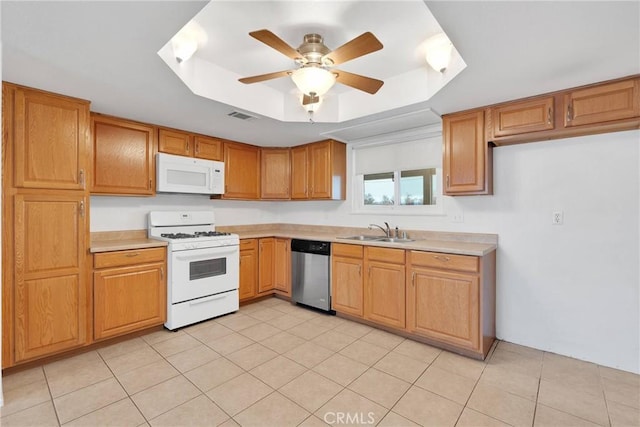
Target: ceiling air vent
(241, 116)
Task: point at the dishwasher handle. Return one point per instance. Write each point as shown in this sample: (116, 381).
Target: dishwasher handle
(311, 247)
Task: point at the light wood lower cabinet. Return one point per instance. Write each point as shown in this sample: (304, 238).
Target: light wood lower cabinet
(266, 247)
(248, 269)
(346, 279)
(384, 284)
(50, 295)
(451, 299)
(282, 266)
(130, 291)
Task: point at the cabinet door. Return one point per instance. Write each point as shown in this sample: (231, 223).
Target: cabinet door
(346, 285)
(602, 103)
(128, 298)
(276, 173)
(465, 154)
(241, 171)
(523, 117)
(122, 156)
(174, 142)
(208, 148)
(50, 294)
(299, 172)
(444, 306)
(282, 266)
(385, 294)
(265, 264)
(51, 140)
(320, 170)
(248, 274)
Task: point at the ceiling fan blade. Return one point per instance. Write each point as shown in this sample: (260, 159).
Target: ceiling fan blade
(275, 42)
(306, 99)
(365, 84)
(360, 46)
(263, 77)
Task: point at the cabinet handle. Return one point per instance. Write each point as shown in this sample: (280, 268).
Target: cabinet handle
(186, 146)
(359, 270)
(161, 273)
(150, 185)
(197, 147)
(132, 255)
(369, 271)
(442, 258)
(549, 116)
(447, 181)
(82, 208)
(413, 279)
(82, 179)
(569, 114)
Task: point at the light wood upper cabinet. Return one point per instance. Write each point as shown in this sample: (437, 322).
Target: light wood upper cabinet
(276, 173)
(282, 266)
(207, 148)
(523, 117)
(175, 142)
(466, 161)
(50, 295)
(51, 134)
(248, 269)
(266, 276)
(130, 294)
(242, 171)
(384, 285)
(602, 103)
(299, 175)
(318, 171)
(123, 156)
(347, 288)
(181, 143)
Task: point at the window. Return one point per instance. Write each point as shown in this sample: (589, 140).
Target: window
(403, 177)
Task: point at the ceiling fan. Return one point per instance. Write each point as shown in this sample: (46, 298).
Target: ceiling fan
(315, 75)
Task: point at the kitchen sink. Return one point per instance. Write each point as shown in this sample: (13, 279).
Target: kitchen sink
(363, 237)
(394, 240)
(378, 239)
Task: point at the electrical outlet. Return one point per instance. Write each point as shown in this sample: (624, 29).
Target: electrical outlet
(457, 217)
(558, 218)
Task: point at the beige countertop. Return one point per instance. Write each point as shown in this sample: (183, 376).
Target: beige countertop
(122, 240)
(475, 244)
(452, 243)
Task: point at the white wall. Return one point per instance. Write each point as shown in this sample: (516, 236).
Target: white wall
(571, 289)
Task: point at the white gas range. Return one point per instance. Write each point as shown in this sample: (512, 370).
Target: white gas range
(202, 266)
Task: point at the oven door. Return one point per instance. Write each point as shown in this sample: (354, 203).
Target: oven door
(197, 273)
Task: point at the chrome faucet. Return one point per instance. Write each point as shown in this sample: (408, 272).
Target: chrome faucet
(386, 231)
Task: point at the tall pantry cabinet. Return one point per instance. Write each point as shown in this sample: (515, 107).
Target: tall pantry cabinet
(45, 292)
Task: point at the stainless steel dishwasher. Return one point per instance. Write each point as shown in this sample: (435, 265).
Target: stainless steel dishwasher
(310, 273)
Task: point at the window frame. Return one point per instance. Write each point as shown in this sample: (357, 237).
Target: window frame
(358, 206)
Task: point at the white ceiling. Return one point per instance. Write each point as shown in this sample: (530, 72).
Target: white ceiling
(106, 52)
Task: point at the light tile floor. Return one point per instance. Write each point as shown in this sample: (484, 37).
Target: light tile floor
(275, 364)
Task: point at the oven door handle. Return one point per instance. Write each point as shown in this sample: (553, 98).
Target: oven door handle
(203, 300)
(202, 257)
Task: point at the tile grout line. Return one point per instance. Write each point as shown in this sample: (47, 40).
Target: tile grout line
(55, 410)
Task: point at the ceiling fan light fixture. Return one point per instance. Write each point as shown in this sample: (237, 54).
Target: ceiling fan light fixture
(438, 52)
(313, 80)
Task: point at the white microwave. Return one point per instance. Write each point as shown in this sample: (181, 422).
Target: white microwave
(179, 174)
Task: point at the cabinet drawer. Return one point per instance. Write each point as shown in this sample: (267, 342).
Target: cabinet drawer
(248, 244)
(445, 261)
(351, 251)
(131, 257)
(394, 256)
